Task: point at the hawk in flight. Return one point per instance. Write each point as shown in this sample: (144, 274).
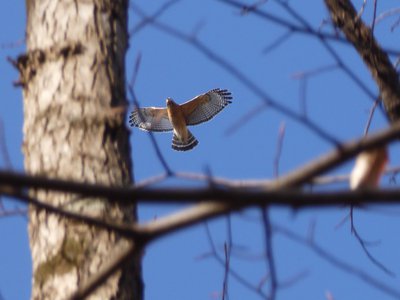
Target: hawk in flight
(176, 117)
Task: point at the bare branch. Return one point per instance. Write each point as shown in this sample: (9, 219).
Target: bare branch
(374, 18)
(279, 41)
(269, 253)
(371, 114)
(248, 8)
(279, 146)
(361, 11)
(150, 19)
(227, 251)
(331, 51)
(336, 262)
(294, 27)
(13, 212)
(294, 279)
(363, 245)
(387, 14)
(344, 16)
(122, 229)
(266, 194)
(240, 122)
(314, 72)
(232, 272)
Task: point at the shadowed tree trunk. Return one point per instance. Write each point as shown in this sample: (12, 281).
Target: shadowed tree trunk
(74, 98)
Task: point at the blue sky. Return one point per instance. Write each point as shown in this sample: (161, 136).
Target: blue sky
(177, 266)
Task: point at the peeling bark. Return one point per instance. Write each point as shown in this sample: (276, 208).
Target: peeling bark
(73, 76)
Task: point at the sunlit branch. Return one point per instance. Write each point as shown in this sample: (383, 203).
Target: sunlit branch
(386, 14)
(298, 177)
(361, 10)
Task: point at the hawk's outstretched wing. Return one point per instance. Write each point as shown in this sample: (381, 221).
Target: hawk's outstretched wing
(151, 119)
(204, 107)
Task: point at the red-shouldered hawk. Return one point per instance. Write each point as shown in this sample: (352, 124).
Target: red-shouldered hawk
(177, 117)
(368, 169)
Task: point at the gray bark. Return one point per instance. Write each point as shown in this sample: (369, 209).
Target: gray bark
(74, 89)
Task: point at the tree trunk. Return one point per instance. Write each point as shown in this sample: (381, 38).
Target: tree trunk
(73, 77)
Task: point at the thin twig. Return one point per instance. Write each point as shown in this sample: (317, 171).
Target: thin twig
(296, 28)
(293, 280)
(225, 295)
(314, 72)
(248, 8)
(386, 14)
(269, 253)
(336, 262)
(245, 118)
(279, 146)
(13, 212)
(228, 252)
(303, 77)
(374, 18)
(279, 41)
(232, 272)
(361, 11)
(303, 97)
(151, 18)
(331, 51)
(363, 245)
(371, 114)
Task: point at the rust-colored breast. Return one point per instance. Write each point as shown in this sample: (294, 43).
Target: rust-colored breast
(177, 119)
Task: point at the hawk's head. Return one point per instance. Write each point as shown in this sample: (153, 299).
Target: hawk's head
(170, 102)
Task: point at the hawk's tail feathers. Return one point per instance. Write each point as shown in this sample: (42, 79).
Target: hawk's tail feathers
(179, 145)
